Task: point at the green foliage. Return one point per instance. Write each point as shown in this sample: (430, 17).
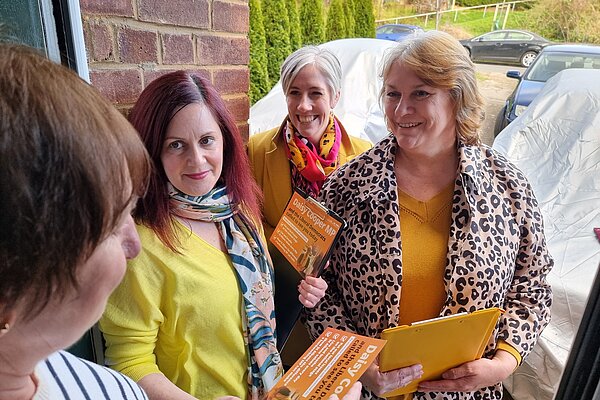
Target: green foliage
(567, 20)
(295, 31)
(277, 28)
(336, 21)
(394, 9)
(259, 79)
(349, 16)
(312, 21)
(472, 3)
(364, 19)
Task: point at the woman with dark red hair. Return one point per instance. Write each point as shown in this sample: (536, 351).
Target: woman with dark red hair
(194, 315)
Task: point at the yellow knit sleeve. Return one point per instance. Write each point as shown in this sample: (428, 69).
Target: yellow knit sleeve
(502, 345)
(132, 318)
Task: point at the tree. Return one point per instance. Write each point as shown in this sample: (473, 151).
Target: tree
(295, 31)
(277, 28)
(259, 79)
(336, 21)
(364, 19)
(312, 21)
(349, 16)
(568, 20)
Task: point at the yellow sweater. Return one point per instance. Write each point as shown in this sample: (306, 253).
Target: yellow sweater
(179, 314)
(425, 226)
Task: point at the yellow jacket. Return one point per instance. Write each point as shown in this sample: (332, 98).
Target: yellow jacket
(271, 169)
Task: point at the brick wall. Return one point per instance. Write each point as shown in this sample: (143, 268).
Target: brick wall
(131, 42)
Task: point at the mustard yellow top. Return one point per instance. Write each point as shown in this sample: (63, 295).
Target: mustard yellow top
(425, 226)
(179, 314)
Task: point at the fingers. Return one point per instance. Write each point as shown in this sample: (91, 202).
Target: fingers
(311, 290)
(408, 374)
(385, 382)
(472, 375)
(354, 392)
(314, 282)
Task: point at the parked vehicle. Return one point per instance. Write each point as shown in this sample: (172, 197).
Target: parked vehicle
(397, 32)
(555, 143)
(505, 46)
(550, 61)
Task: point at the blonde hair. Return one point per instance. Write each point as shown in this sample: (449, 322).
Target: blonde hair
(439, 60)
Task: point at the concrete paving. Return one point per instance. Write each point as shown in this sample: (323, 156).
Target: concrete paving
(495, 87)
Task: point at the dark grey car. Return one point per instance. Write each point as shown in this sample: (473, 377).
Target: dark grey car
(505, 47)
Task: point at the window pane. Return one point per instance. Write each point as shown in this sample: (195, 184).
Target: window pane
(21, 21)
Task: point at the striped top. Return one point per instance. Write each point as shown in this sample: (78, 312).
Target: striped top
(64, 376)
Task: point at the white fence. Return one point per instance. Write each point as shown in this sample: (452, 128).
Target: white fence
(499, 8)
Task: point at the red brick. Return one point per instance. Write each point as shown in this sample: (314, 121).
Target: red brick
(149, 76)
(223, 50)
(118, 86)
(192, 13)
(137, 46)
(108, 7)
(239, 107)
(177, 49)
(230, 17)
(244, 131)
(100, 42)
(229, 81)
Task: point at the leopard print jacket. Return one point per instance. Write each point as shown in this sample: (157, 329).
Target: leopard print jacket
(497, 254)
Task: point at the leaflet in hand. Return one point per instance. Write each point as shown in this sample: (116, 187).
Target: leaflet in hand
(331, 365)
(306, 233)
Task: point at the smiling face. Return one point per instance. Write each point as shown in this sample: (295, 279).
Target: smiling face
(309, 102)
(421, 117)
(192, 153)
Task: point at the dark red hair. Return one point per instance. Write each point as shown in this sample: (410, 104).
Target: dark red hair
(151, 115)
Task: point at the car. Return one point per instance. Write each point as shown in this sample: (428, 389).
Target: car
(550, 61)
(397, 32)
(506, 46)
(556, 145)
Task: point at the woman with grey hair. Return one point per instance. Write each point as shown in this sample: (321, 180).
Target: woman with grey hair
(311, 142)
(308, 146)
(438, 224)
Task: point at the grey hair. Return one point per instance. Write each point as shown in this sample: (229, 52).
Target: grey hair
(323, 59)
(441, 61)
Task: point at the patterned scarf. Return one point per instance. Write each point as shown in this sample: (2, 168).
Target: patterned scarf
(310, 166)
(254, 273)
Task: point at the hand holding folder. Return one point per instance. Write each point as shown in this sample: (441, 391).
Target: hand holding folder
(438, 344)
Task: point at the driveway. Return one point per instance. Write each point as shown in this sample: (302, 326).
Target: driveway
(495, 88)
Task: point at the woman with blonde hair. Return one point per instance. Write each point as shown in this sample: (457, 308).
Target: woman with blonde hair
(438, 224)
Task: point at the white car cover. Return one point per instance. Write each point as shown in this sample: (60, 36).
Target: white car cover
(556, 143)
(358, 107)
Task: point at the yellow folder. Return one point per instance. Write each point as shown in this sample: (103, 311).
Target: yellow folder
(437, 344)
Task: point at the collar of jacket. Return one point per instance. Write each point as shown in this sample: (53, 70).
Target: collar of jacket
(470, 166)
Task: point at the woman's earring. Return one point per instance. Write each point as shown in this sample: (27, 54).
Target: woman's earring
(5, 327)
